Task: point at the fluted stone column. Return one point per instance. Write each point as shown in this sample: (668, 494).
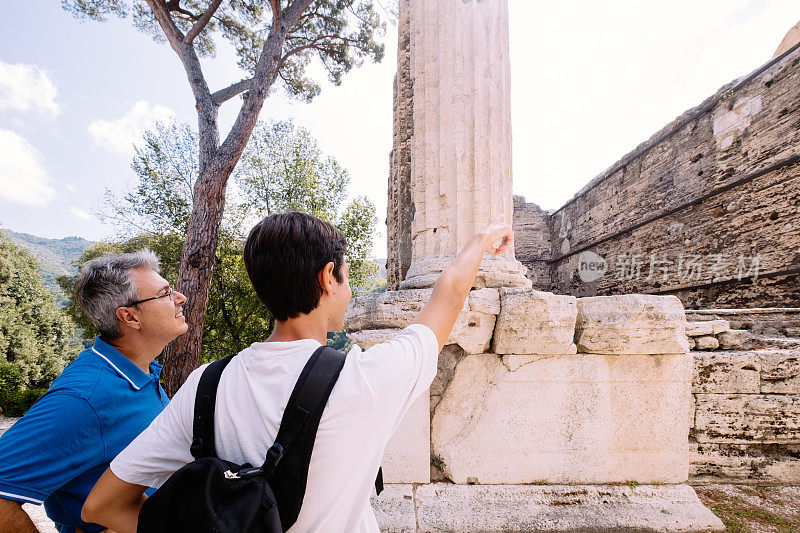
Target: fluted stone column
(460, 177)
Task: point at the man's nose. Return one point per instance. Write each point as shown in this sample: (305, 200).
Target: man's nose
(179, 298)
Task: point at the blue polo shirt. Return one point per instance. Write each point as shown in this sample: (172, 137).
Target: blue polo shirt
(60, 448)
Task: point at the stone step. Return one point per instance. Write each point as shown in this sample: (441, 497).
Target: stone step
(444, 507)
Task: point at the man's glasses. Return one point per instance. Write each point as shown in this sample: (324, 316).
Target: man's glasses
(170, 293)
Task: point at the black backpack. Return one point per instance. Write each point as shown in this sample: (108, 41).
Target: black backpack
(213, 495)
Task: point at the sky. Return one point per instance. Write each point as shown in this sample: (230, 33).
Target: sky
(589, 82)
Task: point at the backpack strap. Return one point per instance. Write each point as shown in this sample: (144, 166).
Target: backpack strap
(203, 444)
(288, 459)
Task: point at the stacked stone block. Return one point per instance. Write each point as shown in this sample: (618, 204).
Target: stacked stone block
(542, 397)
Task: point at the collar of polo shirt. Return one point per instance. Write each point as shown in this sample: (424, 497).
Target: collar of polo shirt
(124, 366)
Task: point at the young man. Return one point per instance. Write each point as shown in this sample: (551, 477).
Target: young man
(100, 402)
(296, 264)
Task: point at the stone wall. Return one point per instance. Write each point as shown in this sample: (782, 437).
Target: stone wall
(589, 390)
(691, 211)
(746, 389)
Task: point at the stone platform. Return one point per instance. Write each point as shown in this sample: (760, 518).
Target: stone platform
(444, 507)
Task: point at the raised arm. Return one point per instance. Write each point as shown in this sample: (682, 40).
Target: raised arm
(114, 503)
(453, 285)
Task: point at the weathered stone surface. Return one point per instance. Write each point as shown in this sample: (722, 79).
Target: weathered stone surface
(553, 508)
(758, 463)
(631, 324)
(718, 326)
(747, 418)
(494, 271)
(449, 357)
(394, 509)
(692, 344)
(695, 329)
(726, 373)
(367, 338)
(736, 339)
(565, 419)
(407, 456)
(533, 322)
(648, 215)
(376, 318)
(706, 327)
(390, 309)
(706, 342)
(780, 371)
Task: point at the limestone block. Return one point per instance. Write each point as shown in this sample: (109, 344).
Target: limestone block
(368, 338)
(718, 326)
(472, 331)
(562, 508)
(484, 301)
(394, 509)
(407, 457)
(706, 342)
(565, 419)
(692, 344)
(726, 373)
(736, 339)
(631, 324)
(534, 322)
(745, 462)
(695, 329)
(747, 418)
(494, 271)
(390, 309)
(780, 371)
(376, 318)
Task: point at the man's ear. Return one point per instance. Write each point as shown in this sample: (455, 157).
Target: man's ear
(326, 278)
(127, 318)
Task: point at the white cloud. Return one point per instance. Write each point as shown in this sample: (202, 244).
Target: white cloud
(70, 187)
(23, 179)
(26, 88)
(79, 213)
(119, 136)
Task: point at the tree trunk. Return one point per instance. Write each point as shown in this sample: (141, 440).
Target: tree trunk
(194, 275)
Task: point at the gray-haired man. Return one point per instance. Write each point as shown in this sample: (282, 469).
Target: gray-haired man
(106, 397)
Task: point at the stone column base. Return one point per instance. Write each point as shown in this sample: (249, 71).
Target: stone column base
(544, 508)
(495, 271)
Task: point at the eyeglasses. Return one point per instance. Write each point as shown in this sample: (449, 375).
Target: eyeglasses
(170, 293)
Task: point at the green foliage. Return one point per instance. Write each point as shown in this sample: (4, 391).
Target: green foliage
(340, 34)
(35, 336)
(282, 169)
(16, 402)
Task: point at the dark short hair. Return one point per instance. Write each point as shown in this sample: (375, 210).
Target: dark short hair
(284, 254)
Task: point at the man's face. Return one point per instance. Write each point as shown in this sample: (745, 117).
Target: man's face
(162, 317)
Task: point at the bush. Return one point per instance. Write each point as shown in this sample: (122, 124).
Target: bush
(16, 403)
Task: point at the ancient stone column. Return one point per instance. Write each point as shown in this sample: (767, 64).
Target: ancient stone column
(460, 145)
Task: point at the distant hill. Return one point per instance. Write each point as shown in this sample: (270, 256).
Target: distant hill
(55, 255)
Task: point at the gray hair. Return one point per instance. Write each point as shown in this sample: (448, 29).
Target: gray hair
(105, 283)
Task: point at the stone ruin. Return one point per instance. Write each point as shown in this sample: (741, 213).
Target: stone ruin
(563, 404)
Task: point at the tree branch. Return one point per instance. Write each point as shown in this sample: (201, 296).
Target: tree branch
(175, 5)
(232, 90)
(293, 12)
(276, 10)
(171, 31)
(202, 21)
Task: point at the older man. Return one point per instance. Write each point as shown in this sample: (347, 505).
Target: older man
(106, 397)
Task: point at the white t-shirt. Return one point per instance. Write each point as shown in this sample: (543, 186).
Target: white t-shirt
(370, 398)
